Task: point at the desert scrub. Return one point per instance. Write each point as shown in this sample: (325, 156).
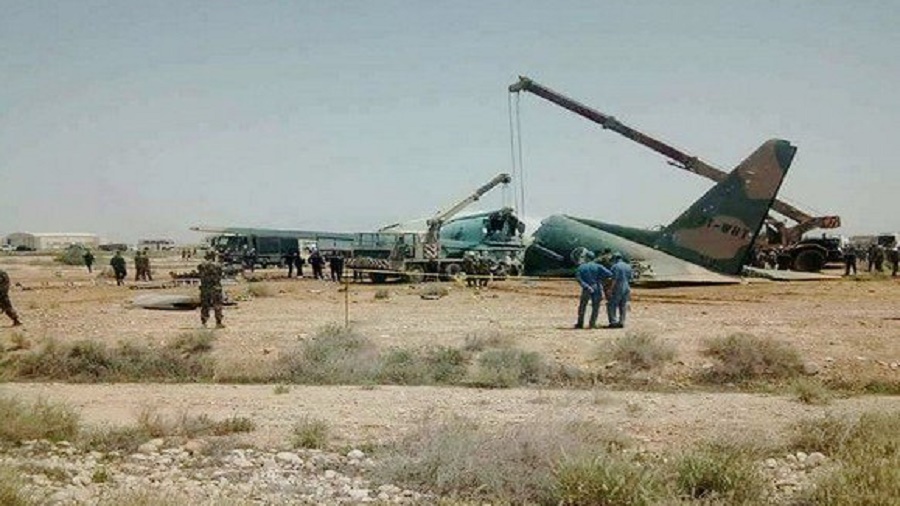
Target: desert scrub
(434, 290)
(156, 425)
(12, 490)
(382, 294)
(718, 472)
(41, 419)
(638, 351)
(310, 433)
(479, 341)
(507, 368)
(107, 439)
(186, 359)
(607, 480)
(334, 356)
(430, 366)
(810, 391)
(259, 289)
(745, 357)
(867, 451)
(455, 457)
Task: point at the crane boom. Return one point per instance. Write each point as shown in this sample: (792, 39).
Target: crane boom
(445, 215)
(680, 159)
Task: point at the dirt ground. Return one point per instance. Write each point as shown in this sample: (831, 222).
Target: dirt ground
(848, 328)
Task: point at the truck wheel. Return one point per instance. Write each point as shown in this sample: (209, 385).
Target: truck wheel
(452, 270)
(415, 274)
(377, 277)
(263, 265)
(808, 260)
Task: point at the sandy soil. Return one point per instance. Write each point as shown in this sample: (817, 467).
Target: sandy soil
(849, 329)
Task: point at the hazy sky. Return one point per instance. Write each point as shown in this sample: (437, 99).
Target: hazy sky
(141, 118)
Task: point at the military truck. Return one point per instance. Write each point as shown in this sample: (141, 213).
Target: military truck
(495, 236)
(269, 249)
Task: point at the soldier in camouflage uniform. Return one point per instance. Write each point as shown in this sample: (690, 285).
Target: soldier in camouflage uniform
(117, 262)
(146, 266)
(138, 265)
(5, 304)
(210, 289)
(470, 267)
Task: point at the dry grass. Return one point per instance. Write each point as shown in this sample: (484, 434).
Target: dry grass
(745, 358)
(334, 356)
(434, 290)
(153, 424)
(479, 341)
(810, 391)
(607, 480)
(456, 458)
(868, 452)
(508, 368)
(718, 472)
(260, 290)
(310, 432)
(185, 359)
(39, 420)
(639, 351)
(12, 490)
(156, 425)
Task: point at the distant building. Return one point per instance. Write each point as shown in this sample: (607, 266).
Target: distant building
(50, 241)
(156, 244)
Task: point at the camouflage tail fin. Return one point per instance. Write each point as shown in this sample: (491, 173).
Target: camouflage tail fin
(718, 231)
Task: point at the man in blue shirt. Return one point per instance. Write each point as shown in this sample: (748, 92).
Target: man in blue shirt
(589, 274)
(619, 292)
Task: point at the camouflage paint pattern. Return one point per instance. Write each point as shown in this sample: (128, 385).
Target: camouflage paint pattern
(714, 236)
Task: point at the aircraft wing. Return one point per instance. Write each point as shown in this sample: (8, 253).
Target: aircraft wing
(560, 239)
(776, 275)
(307, 235)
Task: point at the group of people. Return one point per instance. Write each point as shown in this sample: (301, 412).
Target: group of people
(875, 257)
(293, 260)
(120, 269)
(610, 275)
(142, 266)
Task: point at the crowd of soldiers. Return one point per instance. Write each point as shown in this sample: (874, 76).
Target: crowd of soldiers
(142, 266)
(874, 256)
(317, 261)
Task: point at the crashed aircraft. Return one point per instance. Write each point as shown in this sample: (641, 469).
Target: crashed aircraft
(709, 243)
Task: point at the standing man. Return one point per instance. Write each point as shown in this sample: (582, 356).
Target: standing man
(117, 262)
(5, 304)
(138, 265)
(619, 292)
(210, 289)
(298, 263)
(88, 260)
(589, 275)
(146, 265)
(849, 259)
(893, 255)
(317, 262)
(336, 266)
(288, 259)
